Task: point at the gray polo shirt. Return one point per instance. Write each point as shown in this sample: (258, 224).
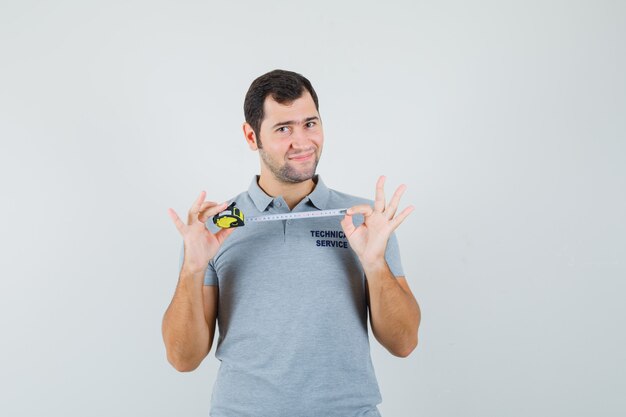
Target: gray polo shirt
(292, 313)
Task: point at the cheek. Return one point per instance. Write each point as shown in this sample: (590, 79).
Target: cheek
(279, 149)
(317, 137)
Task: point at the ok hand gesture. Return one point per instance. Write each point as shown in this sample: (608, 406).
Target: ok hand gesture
(200, 244)
(369, 240)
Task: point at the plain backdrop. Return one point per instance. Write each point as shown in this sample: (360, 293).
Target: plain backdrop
(505, 119)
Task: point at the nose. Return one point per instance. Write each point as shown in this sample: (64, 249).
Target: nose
(299, 139)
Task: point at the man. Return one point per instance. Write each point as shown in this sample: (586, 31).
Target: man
(291, 296)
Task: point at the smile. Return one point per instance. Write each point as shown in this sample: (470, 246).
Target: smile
(302, 157)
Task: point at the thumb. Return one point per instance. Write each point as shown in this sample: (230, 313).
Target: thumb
(347, 225)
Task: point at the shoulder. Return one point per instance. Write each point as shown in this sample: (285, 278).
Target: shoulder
(347, 199)
(242, 199)
(338, 199)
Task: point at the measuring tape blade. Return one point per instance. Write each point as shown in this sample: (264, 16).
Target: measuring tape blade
(233, 217)
(300, 215)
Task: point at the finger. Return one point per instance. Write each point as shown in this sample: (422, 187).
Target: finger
(207, 204)
(400, 217)
(379, 202)
(390, 211)
(211, 211)
(177, 222)
(364, 209)
(197, 204)
(223, 234)
(204, 207)
(347, 225)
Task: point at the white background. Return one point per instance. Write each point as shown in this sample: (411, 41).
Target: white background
(506, 120)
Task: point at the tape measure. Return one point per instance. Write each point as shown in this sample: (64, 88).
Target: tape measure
(233, 217)
(230, 217)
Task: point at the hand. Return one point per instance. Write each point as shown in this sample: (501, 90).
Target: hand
(200, 244)
(369, 240)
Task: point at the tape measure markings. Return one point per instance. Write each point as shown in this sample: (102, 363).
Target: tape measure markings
(233, 217)
(300, 215)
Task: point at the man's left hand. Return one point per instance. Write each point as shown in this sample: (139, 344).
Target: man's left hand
(369, 240)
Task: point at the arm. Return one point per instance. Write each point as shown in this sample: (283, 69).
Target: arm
(394, 313)
(189, 321)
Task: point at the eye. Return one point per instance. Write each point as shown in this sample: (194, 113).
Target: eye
(283, 129)
(310, 124)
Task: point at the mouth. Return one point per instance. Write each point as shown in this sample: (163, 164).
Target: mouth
(303, 157)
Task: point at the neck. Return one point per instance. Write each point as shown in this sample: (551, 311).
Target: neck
(292, 193)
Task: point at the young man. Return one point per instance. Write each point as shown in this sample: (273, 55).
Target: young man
(291, 297)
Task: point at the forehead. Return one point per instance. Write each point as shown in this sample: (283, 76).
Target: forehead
(299, 109)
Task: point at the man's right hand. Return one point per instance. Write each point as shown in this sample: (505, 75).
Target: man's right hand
(200, 244)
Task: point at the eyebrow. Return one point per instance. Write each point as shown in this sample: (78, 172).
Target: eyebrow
(293, 122)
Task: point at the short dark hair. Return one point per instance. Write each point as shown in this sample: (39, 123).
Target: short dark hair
(283, 86)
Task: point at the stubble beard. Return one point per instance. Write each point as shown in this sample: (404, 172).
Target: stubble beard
(287, 172)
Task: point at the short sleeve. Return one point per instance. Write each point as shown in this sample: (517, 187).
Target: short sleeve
(210, 276)
(392, 256)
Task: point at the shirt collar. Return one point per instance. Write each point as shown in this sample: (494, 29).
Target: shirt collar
(318, 197)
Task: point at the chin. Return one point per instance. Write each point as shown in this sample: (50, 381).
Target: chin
(296, 177)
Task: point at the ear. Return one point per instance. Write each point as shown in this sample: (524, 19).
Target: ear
(250, 136)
